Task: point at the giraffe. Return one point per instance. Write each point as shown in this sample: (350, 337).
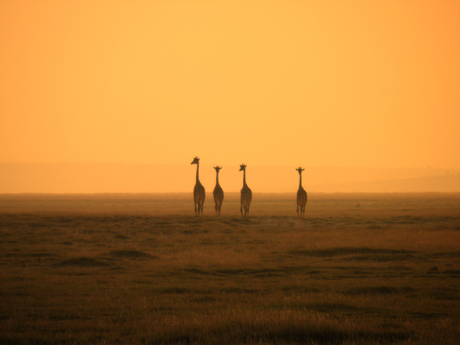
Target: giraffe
(198, 192)
(246, 194)
(301, 197)
(218, 192)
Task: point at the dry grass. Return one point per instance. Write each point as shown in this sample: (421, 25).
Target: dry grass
(142, 269)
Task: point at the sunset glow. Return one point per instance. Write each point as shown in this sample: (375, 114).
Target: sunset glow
(348, 84)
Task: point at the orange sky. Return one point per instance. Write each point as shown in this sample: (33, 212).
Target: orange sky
(289, 83)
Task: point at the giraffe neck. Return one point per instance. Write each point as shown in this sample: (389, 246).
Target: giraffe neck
(300, 180)
(197, 169)
(244, 178)
(217, 178)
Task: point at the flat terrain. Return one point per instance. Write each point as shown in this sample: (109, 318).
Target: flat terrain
(143, 269)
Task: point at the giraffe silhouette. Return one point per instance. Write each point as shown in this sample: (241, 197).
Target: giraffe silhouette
(198, 192)
(218, 193)
(301, 197)
(246, 194)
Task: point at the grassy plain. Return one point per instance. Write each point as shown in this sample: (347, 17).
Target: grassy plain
(142, 269)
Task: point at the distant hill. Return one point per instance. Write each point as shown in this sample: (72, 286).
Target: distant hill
(440, 183)
(149, 178)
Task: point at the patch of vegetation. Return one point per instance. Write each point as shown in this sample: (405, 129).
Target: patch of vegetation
(344, 251)
(379, 290)
(131, 255)
(81, 262)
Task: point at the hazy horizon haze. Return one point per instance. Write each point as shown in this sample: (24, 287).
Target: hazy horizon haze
(180, 178)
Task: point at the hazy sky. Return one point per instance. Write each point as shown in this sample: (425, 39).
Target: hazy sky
(313, 83)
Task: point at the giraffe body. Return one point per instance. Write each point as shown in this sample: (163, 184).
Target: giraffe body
(199, 193)
(218, 193)
(246, 194)
(301, 197)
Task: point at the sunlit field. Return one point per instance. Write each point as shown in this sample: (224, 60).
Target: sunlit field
(143, 269)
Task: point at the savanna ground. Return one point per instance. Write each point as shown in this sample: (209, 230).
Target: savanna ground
(143, 269)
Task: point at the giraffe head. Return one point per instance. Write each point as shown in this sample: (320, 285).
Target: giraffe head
(217, 168)
(196, 160)
(243, 167)
(299, 169)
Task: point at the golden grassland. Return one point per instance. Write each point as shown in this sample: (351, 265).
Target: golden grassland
(143, 269)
